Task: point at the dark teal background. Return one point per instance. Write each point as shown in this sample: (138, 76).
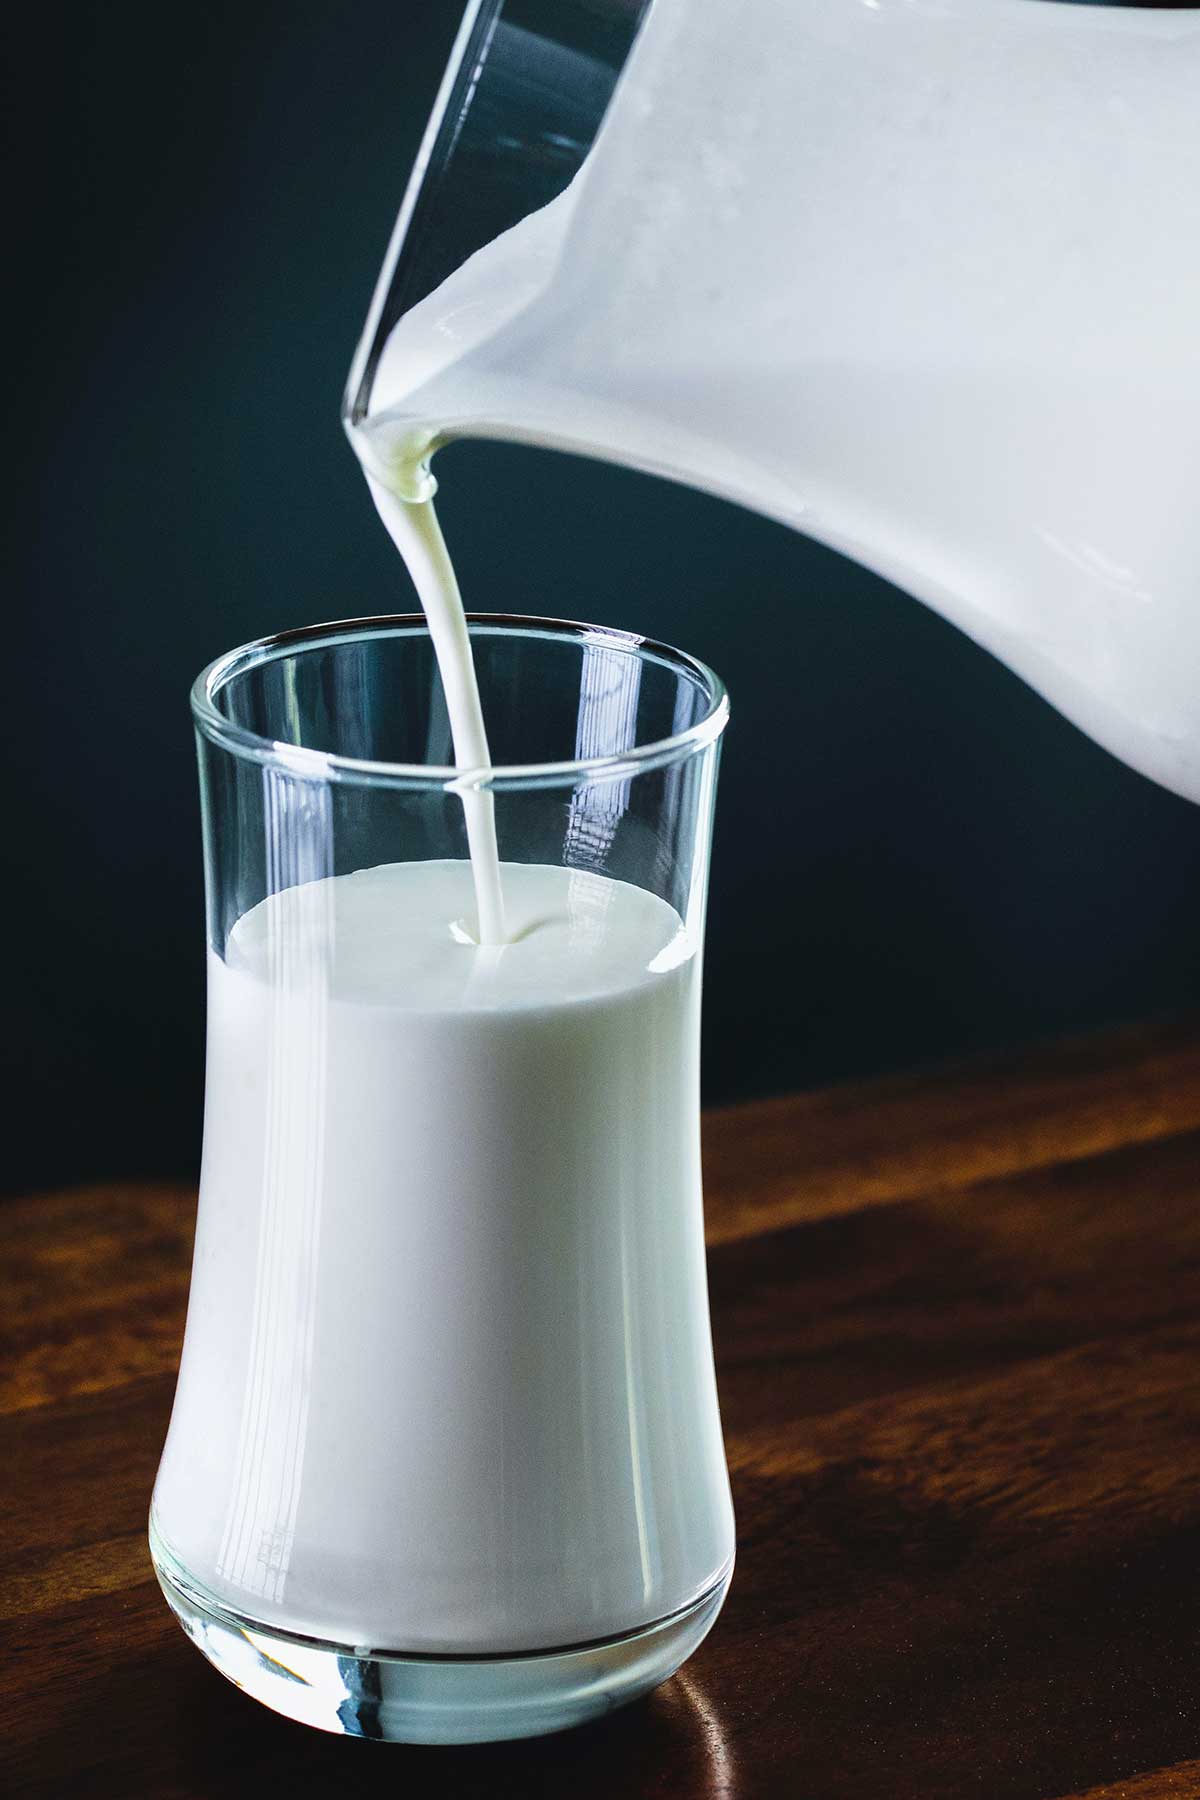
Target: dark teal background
(915, 857)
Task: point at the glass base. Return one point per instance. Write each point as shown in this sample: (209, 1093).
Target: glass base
(402, 1699)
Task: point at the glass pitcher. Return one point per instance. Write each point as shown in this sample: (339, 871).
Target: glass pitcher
(919, 279)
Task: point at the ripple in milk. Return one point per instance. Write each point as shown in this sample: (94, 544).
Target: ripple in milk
(447, 1342)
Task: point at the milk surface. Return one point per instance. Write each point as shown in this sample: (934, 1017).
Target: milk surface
(920, 279)
(447, 1382)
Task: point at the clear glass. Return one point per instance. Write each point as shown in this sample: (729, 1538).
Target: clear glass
(445, 1462)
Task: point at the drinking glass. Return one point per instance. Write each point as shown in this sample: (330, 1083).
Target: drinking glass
(445, 1462)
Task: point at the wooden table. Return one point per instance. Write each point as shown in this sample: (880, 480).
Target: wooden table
(958, 1332)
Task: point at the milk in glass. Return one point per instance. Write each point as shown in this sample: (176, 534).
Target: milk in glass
(447, 1382)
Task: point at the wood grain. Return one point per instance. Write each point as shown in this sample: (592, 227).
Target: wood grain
(1180, 1783)
(958, 1329)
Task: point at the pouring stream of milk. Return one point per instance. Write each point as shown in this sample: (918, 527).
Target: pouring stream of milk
(415, 531)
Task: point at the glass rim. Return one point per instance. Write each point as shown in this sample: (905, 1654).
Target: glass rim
(326, 765)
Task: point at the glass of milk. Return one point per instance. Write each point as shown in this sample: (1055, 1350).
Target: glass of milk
(445, 1462)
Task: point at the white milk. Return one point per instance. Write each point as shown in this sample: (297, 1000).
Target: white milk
(921, 279)
(417, 535)
(447, 1382)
